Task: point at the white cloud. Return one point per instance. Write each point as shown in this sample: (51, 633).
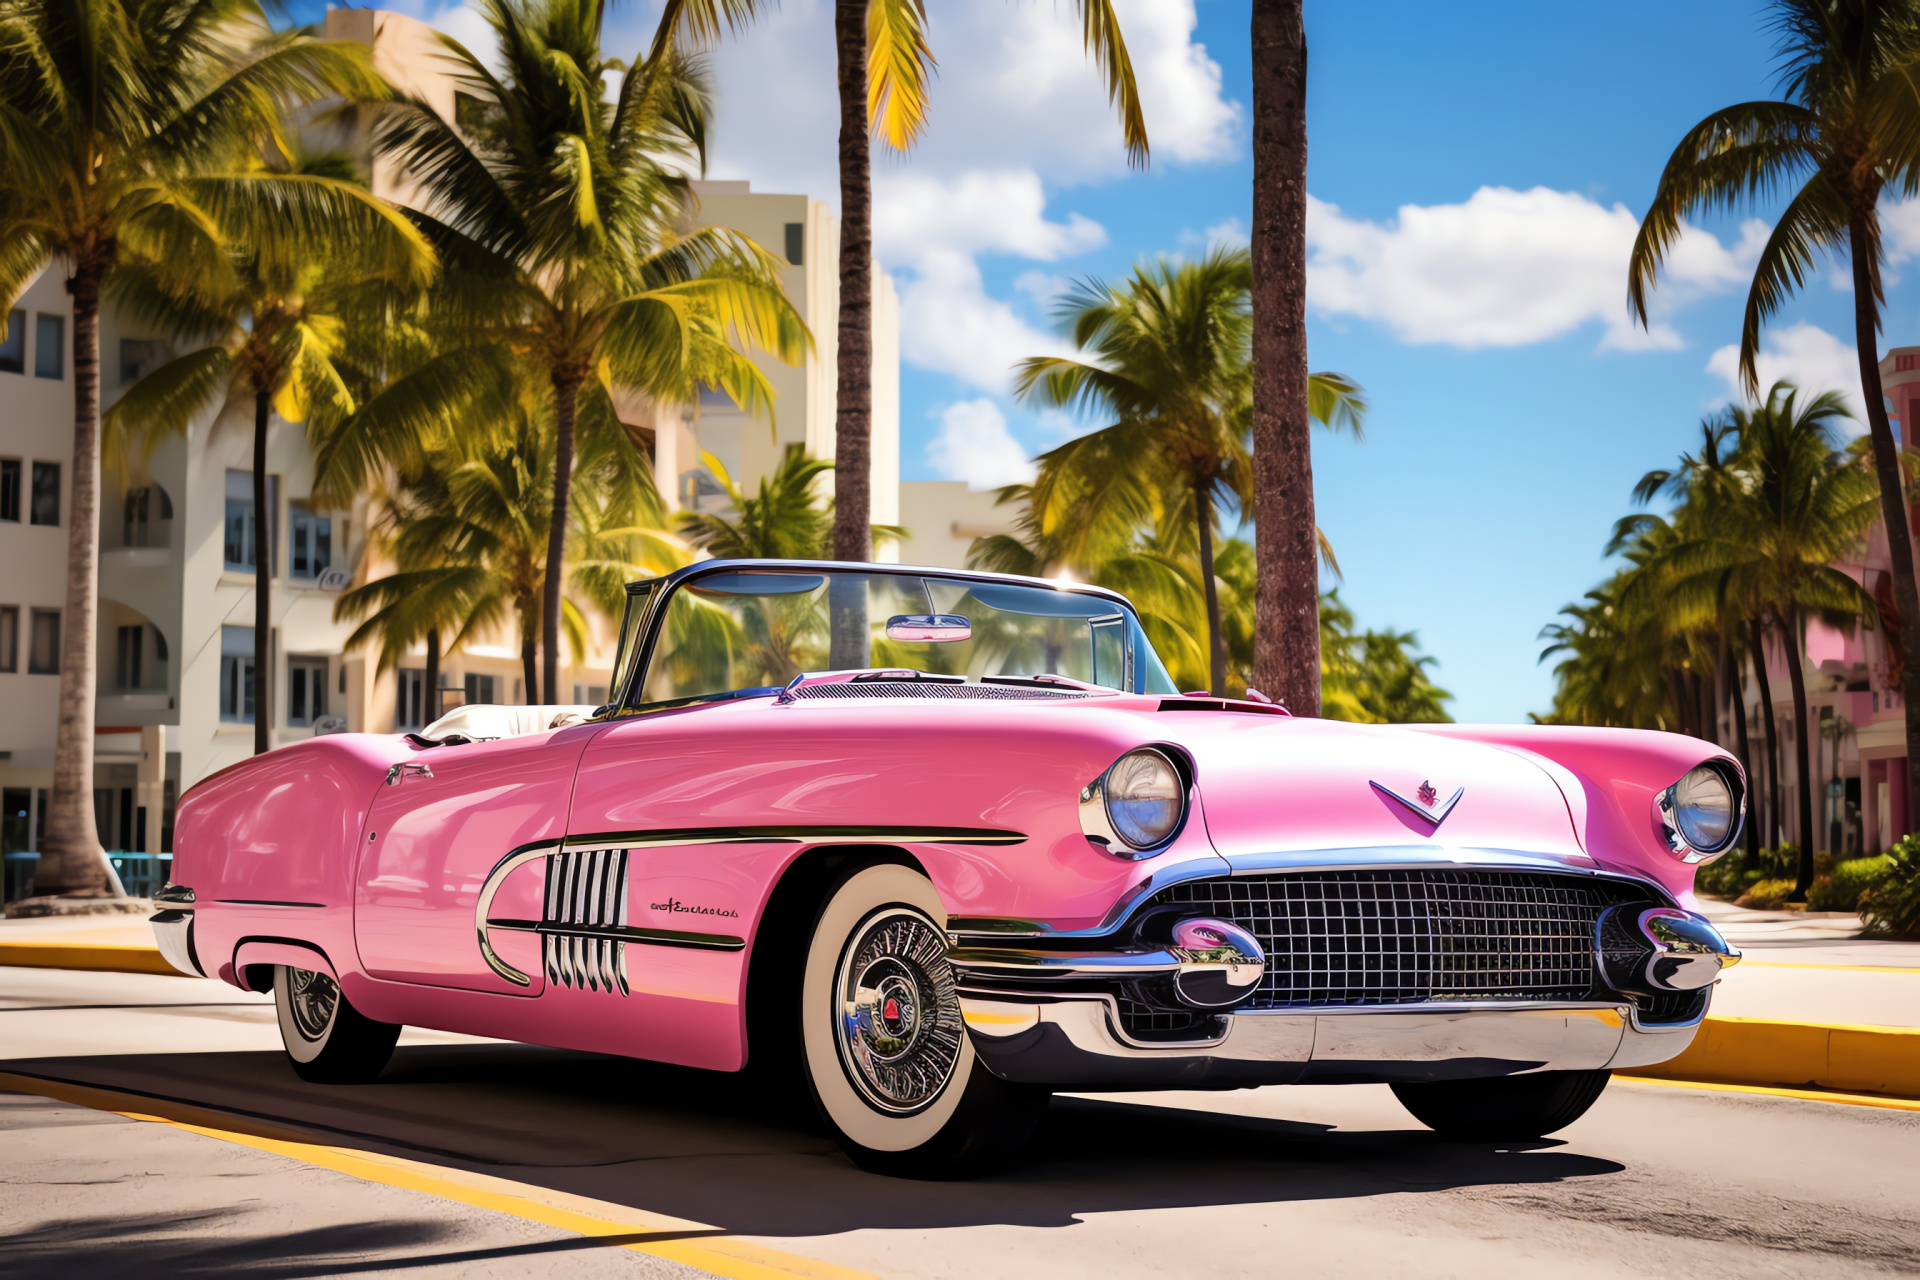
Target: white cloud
(1807, 356)
(1507, 268)
(949, 324)
(1230, 233)
(974, 445)
(983, 211)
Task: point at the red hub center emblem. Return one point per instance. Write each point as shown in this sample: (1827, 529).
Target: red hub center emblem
(891, 1010)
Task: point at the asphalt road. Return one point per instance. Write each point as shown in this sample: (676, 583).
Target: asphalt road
(1272, 1182)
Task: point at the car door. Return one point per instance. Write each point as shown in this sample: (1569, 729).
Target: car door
(456, 829)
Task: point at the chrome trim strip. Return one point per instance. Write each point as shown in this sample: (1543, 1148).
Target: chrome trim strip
(174, 895)
(261, 902)
(792, 835)
(626, 933)
(483, 905)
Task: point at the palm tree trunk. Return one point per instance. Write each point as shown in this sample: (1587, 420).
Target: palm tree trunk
(853, 403)
(70, 853)
(1864, 248)
(262, 581)
(1756, 638)
(1744, 749)
(566, 403)
(430, 696)
(1286, 656)
(528, 665)
(1216, 643)
(1803, 773)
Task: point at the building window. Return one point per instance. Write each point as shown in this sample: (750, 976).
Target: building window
(140, 357)
(43, 654)
(481, 688)
(241, 528)
(306, 690)
(131, 647)
(410, 697)
(10, 489)
(236, 675)
(148, 510)
(13, 348)
(10, 638)
(49, 346)
(46, 493)
(1901, 364)
(796, 243)
(309, 541)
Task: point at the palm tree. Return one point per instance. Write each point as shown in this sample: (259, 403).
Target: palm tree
(559, 222)
(273, 330)
(1171, 364)
(121, 122)
(1803, 505)
(884, 61)
(1847, 130)
(1286, 663)
(467, 537)
(785, 521)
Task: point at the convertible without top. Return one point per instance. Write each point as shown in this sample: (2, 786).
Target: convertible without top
(942, 843)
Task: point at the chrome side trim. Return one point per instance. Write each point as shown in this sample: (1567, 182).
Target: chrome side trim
(483, 905)
(174, 895)
(173, 937)
(793, 835)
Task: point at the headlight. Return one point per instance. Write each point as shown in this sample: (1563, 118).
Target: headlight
(1136, 805)
(1700, 814)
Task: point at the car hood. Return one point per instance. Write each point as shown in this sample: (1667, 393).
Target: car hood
(1274, 789)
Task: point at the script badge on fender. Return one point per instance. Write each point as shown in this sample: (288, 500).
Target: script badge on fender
(1424, 800)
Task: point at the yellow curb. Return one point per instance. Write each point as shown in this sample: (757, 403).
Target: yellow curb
(1809, 1095)
(716, 1253)
(94, 957)
(1756, 1051)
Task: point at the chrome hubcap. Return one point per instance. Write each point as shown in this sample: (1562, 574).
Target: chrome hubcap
(312, 998)
(898, 1025)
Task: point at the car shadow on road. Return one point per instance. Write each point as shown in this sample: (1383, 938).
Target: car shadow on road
(721, 1150)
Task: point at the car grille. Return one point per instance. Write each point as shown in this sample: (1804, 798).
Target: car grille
(1344, 938)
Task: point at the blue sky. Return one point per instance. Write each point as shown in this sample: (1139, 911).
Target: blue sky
(1477, 170)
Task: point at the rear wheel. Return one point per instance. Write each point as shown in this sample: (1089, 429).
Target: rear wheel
(328, 1041)
(1503, 1108)
(885, 1051)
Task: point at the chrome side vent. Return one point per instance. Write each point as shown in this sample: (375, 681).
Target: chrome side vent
(586, 892)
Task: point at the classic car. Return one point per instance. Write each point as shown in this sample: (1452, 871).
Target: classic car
(942, 843)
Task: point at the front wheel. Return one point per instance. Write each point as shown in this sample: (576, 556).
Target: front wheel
(1503, 1108)
(885, 1051)
(328, 1040)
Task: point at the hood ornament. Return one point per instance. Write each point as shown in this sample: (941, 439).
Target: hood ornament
(1424, 801)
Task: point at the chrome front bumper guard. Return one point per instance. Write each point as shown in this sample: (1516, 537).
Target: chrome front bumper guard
(1075, 1042)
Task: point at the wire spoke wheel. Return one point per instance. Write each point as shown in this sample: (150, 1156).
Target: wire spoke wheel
(314, 999)
(897, 1021)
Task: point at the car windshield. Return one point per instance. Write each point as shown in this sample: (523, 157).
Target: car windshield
(750, 629)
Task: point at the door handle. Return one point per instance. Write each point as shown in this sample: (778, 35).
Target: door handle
(400, 771)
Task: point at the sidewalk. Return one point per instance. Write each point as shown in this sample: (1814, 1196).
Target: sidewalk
(1813, 967)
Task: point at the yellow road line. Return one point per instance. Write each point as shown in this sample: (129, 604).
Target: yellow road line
(95, 957)
(720, 1254)
(1811, 1095)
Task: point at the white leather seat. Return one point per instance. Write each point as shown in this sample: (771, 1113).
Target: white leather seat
(486, 720)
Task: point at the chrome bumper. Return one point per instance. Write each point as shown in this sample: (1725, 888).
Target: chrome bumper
(1069, 1042)
(173, 935)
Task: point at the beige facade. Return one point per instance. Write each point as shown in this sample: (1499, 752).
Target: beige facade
(944, 517)
(176, 608)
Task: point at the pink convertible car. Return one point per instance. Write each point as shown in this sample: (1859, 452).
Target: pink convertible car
(942, 843)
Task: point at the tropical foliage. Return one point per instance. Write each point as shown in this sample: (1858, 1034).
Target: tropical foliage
(1170, 366)
(556, 209)
(127, 129)
(1765, 509)
(1845, 131)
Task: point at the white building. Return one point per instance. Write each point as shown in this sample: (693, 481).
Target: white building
(178, 538)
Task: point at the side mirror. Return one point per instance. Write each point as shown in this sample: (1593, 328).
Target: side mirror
(937, 628)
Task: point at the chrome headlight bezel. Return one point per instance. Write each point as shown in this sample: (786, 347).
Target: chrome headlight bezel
(1097, 822)
(1668, 822)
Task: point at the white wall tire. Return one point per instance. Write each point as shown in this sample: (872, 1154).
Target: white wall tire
(885, 1051)
(328, 1041)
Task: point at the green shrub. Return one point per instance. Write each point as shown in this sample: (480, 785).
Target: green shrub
(1767, 894)
(1841, 891)
(1892, 905)
(1734, 873)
